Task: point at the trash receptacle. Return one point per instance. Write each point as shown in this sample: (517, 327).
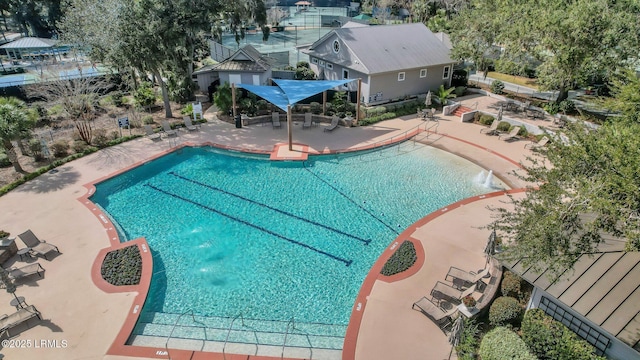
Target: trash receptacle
(238, 121)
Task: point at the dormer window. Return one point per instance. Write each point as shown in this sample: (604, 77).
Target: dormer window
(336, 46)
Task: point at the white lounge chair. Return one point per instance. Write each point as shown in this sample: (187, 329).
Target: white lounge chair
(491, 130)
(36, 245)
(275, 120)
(167, 129)
(540, 143)
(513, 135)
(334, 124)
(188, 124)
(150, 133)
(307, 120)
(463, 279)
(444, 291)
(25, 271)
(7, 322)
(439, 316)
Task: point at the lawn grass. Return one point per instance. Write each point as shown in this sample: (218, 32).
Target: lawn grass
(518, 80)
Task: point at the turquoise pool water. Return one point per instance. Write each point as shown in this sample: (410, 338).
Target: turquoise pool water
(233, 234)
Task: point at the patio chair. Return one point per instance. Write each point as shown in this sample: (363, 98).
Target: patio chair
(167, 129)
(8, 322)
(525, 106)
(275, 120)
(542, 142)
(444, 291)
(334, 124)
(491, 130)
(188, 124)
(25, 271)
(307, 121)
(439, 316)
(462, 279)
(513, 135)
(150, 133)
(36, 245)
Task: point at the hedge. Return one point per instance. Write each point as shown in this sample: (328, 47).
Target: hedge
(123, 266)
(550, 339)
(511, 285)
(400, 260)
(503, 344)
(505, 310)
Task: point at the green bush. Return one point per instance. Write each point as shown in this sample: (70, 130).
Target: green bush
(505, 310)
(79, 146)
(467, 348)
(567, 106)
(497, 87)
(486, 119)
(376, 111)
(145, 96)
(187, 109)
(60, 148)
(550, 339)
(4, 160)
(504, 126)
(552, 108)
(315, 107)
(123, 266)
(116, 98)
(400, 260)
(522, 132)
(375, 119)
(100, 138)
(460, 91)
(147, 120)
(36, 149)
(503, 344)
(511, 285)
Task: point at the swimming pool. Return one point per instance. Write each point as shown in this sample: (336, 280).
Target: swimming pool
(234, 234)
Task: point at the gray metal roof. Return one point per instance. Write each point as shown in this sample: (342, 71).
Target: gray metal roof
(30, 43)
(246, 59)
(603, 287)
(389, 48)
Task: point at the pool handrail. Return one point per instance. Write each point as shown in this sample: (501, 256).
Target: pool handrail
(286, 334)
(166, 344)
(389, 141)
(226, 340)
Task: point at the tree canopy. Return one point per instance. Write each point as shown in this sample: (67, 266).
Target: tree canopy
(16, 120)
(589, 186)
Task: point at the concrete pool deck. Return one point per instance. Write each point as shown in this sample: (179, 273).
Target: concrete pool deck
(81, 321)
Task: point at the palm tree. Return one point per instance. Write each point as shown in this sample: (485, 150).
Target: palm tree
(443, 94)
(14, 123)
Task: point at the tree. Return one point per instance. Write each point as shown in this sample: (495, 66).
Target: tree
(588, 185)
(144, 96)
(223, 98)
(14, 123)
(36, 17)
(443, 94)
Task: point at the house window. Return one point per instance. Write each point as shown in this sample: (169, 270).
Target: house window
(401, 76)
(445, 73)
(582, 329)
(330, 66)
(345, 75)
(321, 63)
(314, 60)
(423, 73)
(336, 46)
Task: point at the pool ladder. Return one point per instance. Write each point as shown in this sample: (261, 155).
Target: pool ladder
(190, 312)
(226, 340)
(292, 324)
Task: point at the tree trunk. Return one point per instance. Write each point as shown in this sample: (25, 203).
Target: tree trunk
(563, 93)
(12, 156)
(165, 94)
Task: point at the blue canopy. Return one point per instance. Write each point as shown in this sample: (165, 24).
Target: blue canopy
(289, 92)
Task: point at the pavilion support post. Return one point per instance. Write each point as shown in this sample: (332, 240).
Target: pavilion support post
(324, 102)
(358, 103)
(289, 127)
(233, 100)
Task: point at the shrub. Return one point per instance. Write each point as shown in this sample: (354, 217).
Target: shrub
(36, 149)
(145, 96)
(187, 109)
(377, 110)
(469, 301)
(504, 126)
(511, 285)
(503, 344)
(123, 266)
(315, 107)
(401, 260)
(552, 108)
(100, 138)
(486, 119)
(116, 97)
(567, 106)
(550, 339)
(522, 132)
(497, 87)
(60, 148)
(147, 120)
(375, 119)
(460, 90)
(79, 146)
(505, 310)
(467, 348)
(4, 160)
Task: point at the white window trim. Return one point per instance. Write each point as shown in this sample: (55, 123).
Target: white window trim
(329, 66)
(345, 77)
(314, 60)
(321, 63)
(401, 76)
(333, 46)
(423, 73)
(446, 71)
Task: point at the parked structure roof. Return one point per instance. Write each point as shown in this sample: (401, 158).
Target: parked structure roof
(245, 59)
(30, 43)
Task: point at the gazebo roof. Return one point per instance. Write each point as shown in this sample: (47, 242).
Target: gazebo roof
(30, 43)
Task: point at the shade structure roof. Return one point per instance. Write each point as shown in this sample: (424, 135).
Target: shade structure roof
(289, 92)
(30, 43)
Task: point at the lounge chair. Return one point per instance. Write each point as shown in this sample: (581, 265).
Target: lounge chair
(150, 133)
(188, 124)
(307, 120)
(334, 124)
(462, 279)
(36, 245)
(439, 316)
(25, 271)
(542, 142)
(444, 291)
(275, 120)
(513, 135)
(168, 130)
(491, 130)
(8, 322)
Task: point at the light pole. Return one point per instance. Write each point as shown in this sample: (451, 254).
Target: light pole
(297, 52)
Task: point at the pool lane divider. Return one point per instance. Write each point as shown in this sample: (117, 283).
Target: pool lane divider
(350, 199)
(337, 258)
(365, 241)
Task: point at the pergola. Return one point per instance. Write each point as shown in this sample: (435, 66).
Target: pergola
(290, 92)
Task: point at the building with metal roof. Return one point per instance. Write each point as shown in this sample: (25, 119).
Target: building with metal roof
(393, 61)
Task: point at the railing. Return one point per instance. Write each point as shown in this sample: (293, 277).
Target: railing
(389, 141)
(166, 344)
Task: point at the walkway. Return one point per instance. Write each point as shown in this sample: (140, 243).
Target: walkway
(82, 321)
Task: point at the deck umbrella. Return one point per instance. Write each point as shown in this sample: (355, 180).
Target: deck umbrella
(456, 333)
(427, 101)
(490, 248)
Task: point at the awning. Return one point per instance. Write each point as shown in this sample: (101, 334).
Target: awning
(289, 92)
